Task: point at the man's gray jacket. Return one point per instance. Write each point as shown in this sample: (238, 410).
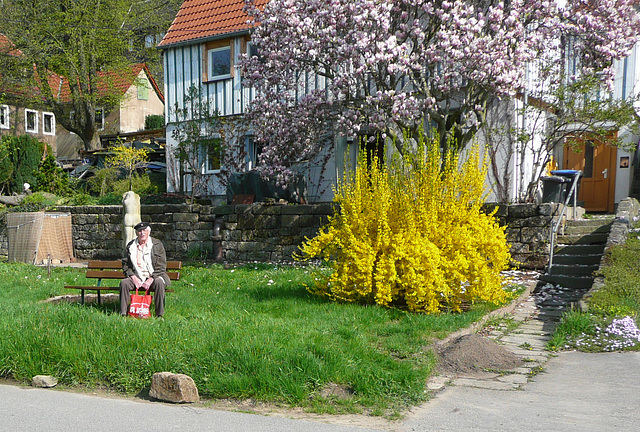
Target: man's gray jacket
(158, 261)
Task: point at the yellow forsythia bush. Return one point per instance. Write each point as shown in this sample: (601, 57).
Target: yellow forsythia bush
(413, 236)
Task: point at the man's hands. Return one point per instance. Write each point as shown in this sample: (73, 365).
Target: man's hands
(139, 284)
(147, 283)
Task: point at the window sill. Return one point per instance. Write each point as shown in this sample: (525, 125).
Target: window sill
(218, 78)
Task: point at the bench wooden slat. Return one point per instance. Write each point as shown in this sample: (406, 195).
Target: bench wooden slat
(103, 288)
(104, 274)
(117, 274)
(117, 264)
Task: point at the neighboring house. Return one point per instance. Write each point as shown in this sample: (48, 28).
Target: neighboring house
(136, 88)
(608, 172)
(17, 118)
(140, 95)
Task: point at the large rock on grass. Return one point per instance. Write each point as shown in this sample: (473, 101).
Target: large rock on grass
(170, 387)
(44, 381)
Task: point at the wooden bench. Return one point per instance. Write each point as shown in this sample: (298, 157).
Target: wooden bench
(113, 270)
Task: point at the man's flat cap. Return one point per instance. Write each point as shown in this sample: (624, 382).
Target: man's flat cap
(141, 226)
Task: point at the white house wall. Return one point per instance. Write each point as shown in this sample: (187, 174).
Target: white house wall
(626, 84)
(183, 68)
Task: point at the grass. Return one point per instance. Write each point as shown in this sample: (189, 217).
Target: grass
(249, 332)
(618, 298)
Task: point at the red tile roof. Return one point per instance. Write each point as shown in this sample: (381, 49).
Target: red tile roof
(116, 83)
(7, 47)
(201, 19)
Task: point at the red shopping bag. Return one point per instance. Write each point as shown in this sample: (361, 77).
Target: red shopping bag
(140, 305)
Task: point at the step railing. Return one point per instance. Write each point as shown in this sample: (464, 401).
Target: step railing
(573, 193)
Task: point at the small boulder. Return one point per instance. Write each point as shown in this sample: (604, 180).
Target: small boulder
(44, 381)
(176, 388)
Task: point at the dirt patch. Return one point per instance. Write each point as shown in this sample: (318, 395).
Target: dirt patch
(473, 353)
(88, 298)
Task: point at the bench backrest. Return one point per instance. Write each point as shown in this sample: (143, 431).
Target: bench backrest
(113, 269)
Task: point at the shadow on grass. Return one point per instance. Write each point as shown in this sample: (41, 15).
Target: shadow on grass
(280, 292)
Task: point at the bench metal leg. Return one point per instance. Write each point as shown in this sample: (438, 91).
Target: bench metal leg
(98, 291)
(82, 296)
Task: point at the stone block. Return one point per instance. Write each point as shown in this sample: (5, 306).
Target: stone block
(223, 210)
(266, 222)
(512, 234)
(112, 210)
(44, 381)
(323, 208)
(534, 234)
(174, 208)
(298, 221)
(185, 217)
(184, 226)
(523, 210)
(176, 388)
(199, 235)
(538, 221)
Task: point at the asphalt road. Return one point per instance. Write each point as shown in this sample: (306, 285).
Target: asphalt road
(577, 392)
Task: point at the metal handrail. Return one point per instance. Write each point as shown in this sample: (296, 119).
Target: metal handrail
(572, 193)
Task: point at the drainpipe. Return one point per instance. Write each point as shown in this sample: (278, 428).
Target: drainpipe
(217, 240)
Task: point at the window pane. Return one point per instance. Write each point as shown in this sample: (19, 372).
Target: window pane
(212, 151)
(143, 91)
(31, 121)
(48, 123)
(4, 116)
(588, 160)
(220, 62)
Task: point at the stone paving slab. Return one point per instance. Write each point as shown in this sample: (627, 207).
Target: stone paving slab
(485, 384)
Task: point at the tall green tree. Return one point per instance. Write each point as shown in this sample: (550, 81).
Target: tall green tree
(64, 46)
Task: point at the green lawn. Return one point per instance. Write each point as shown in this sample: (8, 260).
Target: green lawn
(249, 332)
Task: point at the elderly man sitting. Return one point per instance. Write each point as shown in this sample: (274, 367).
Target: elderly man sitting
(145, 267)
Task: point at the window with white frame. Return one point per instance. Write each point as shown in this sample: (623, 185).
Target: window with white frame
(4, 117)
(48, 123)
(212, 150)
(30, 121)
(99, 116)
(219, 63)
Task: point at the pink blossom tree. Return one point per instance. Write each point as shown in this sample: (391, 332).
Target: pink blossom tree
(353, 66)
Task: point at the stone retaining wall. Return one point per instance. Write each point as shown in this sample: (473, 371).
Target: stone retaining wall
(528, 231)
(261, 232)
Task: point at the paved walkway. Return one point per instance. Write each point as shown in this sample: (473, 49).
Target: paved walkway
(567, 392)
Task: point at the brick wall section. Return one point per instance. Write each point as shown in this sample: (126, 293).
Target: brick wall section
(260, 232)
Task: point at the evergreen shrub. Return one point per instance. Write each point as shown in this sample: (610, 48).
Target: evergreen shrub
(413, 235)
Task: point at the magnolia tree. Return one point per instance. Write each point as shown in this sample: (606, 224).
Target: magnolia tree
(357, 66)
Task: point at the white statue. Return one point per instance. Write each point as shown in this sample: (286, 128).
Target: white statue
(131, 213)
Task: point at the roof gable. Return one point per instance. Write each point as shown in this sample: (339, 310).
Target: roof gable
(115, 83)
(201, 19)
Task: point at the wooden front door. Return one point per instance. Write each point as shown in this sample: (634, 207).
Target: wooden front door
(597, 161)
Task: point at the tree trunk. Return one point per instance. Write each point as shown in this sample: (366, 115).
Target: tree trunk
(92, 143)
